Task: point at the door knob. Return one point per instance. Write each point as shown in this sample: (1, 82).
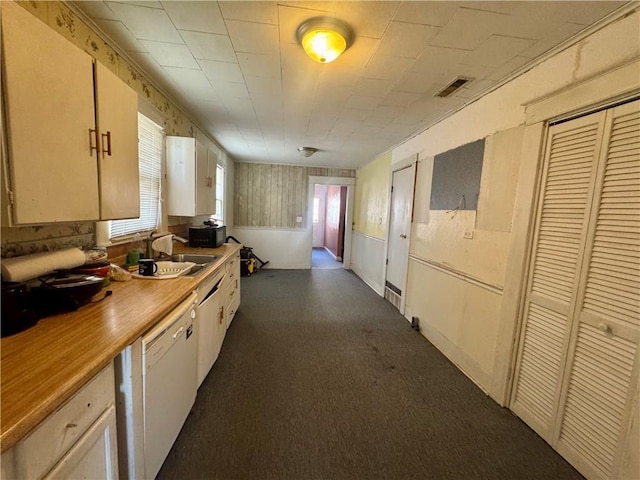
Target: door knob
(403, 235)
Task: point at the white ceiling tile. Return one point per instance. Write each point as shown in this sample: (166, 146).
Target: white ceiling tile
(387, 111)
(253, 37)
(170, 54)
(222, 71)
(209, 46)
(260, 12)
(146, 23)
(367, 19)
(263, 86)
(508, 67)
(321, 121)
(468, 28)
(229, 90)
(331, 98)
(378, 122)
(259, 65)
(497, 50)
(427, 13)
(149, 65)
(388, 68)
(119, 33)
(438, 59)
(421, 83)
(358, 55)
(400, 99)
(145, 3)
(362, 102)
(196, 16)
(374, 87)
(552, 36)
(96, 10)
(290, 18)
(193, 82)
(406, 39)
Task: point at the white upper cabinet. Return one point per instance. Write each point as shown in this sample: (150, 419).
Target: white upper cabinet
(53, 145)
(191, 178)
(117, 122)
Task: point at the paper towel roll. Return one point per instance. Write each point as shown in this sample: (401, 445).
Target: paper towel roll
(26, 267)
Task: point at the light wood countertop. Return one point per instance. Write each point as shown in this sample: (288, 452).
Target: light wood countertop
(42, 367)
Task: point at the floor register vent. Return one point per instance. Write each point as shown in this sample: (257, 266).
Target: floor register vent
(392, 297)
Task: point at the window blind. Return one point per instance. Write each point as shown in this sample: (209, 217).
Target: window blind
(150, 144)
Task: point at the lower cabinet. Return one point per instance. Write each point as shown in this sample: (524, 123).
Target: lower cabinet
(232, 290)
(210, 317)
(76, 441)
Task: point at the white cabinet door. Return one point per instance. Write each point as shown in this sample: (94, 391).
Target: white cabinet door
(48, 87)
(117, 121)
(191, 180)
(209, 342)
(94, 455)
(203, 204)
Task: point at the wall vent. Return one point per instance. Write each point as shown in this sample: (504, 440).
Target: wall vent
(452, 87)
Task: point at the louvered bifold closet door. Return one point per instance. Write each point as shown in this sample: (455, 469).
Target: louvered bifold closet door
(569, 176)
(603, 370)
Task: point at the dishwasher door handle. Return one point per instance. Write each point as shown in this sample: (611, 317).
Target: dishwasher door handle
(177, 334)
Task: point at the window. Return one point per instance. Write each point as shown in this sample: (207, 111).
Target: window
(219, 215)
(150, 145)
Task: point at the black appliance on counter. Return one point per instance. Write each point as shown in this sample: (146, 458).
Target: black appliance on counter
(209, 235)
(23, 304)
(18, 313)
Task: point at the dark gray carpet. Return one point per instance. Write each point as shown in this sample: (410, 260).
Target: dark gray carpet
(320, 378)
(320, 258)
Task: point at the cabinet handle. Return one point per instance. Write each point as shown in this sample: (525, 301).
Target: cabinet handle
(108, 149)
(93, 140)
(221, 314)
(236, 283)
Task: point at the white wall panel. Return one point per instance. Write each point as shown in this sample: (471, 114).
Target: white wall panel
(288, 249)
(367, 260)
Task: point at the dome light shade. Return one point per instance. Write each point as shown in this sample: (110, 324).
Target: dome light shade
(324, 38)
(306, 151)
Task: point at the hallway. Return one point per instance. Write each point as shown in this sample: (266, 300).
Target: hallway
(320, 258)
(319, 377)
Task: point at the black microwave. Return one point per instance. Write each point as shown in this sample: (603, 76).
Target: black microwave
(207, 236)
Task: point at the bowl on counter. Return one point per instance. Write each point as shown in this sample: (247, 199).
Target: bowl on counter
(100, 269)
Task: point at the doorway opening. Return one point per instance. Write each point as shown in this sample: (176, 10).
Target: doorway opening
(328, 224)
(329, 221)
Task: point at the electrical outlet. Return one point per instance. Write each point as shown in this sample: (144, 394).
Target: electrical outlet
(468, 235)
(298, 219)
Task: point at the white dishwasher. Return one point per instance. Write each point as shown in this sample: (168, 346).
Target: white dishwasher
(169, 382)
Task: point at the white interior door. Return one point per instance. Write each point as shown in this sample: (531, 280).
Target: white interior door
(399, 234)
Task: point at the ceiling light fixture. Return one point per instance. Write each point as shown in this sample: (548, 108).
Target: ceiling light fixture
(306, 151)
(324, 38)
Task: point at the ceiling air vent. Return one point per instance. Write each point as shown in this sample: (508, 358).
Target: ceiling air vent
(452, 87)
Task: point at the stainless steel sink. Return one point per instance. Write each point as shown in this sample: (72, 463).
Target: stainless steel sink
(201, 262)
(198, 258)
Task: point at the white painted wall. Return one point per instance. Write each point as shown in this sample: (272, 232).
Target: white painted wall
(367, 260)
(283, 248)
(466, 292)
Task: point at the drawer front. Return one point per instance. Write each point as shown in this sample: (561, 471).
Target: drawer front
(234, 303)
(36, 454)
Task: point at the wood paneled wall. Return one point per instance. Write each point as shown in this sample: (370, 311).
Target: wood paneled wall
(268, 195)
